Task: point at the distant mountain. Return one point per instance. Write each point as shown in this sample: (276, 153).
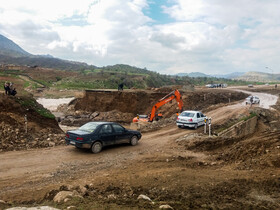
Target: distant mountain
(193, 74)
(11, 53)
(259, 77)
(229, 76)
(199, 74)
(9, 48)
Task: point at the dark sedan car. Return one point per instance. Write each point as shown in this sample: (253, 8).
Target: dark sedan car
(96, 135)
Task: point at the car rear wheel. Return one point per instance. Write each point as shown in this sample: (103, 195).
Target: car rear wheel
(195, 126)
(134, 140)
(96, 147)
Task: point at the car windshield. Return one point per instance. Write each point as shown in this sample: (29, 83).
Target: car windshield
(187, 114)
(90, 127)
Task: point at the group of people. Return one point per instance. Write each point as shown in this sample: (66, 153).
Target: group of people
(9, 89)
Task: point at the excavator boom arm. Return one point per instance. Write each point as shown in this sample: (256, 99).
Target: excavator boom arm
(173, 95)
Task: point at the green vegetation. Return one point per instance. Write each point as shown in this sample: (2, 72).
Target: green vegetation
(252, 114)
(109, 77)
(30, 103)
(45, 113)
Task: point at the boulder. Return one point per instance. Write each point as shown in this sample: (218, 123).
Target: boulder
(62, 195)
(144, 197)
(165, 207)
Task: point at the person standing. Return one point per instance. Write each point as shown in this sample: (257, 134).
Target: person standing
(11, 86)
(7, 88)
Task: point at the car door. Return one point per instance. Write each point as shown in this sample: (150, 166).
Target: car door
(198, 118)
(122, 136)
(106, 135)
(203, 117)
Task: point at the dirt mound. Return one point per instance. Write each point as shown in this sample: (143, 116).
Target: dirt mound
(259, 150)
(41, 131)
(78, 119)
(141, 102)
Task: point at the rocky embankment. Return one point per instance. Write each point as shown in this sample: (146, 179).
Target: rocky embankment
(25, 124)
(18, 139)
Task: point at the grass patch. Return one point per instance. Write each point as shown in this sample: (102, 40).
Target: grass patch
(252, 114)
(30, 103)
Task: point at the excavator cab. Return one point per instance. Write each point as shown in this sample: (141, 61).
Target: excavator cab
(159, 116)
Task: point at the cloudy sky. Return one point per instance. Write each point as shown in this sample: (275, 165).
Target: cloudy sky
(167, 36)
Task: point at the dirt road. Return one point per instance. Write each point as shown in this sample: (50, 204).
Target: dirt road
(266, 100)
(35, 172)
(44, 166)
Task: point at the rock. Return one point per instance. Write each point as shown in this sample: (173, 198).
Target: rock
(144, 197)
(83, 190)
(112, 197)
(71, 207)
(165, 207)
(62, 195)
(51, 144)
(3, 204)
(66, 200)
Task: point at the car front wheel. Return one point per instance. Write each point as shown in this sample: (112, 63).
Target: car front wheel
(96, 147)
(134, 140)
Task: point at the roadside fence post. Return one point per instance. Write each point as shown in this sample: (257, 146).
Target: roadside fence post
(25, 121)
(205, 125)
(210, 126)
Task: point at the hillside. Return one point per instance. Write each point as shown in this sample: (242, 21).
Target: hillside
(63, 74)
(9, 48)
(11, 53)
(193, 74)
(259, 77)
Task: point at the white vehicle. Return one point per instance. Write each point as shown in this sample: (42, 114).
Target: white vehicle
(252, 100)
(191, 119)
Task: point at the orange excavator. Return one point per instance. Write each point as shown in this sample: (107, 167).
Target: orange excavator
(169, 97)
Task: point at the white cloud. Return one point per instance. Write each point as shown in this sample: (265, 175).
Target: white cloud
(214, 36)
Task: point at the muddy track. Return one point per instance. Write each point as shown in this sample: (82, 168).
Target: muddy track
(36, 171)
(35, 168)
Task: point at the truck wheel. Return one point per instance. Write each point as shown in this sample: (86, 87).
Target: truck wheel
(96, 147)
(134, 140)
